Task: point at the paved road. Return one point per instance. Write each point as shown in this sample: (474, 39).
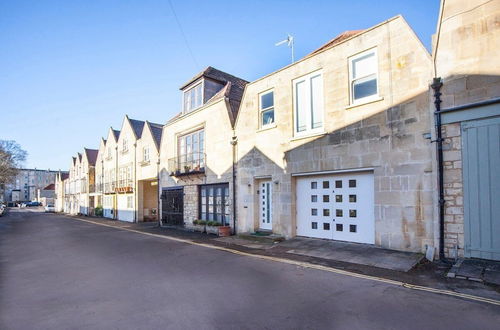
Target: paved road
(61, 273)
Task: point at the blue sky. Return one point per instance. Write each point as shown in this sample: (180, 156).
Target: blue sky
(71, 69)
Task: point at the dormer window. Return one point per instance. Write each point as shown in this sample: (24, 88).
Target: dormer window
(193, 97)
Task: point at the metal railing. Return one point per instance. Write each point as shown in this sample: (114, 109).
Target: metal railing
(109, 187)
(191, 163)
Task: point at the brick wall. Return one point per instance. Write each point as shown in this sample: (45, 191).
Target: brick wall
(453, 191)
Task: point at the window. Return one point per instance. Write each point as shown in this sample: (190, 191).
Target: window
(109, 153)
(193, 98)
(124, 145)
(145, 154)
(129, 202)
(308, 93)
(266, 107)
(214, 203)
(363, 76)
(191, 148)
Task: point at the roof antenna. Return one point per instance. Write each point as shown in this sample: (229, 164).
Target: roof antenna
(289, 41)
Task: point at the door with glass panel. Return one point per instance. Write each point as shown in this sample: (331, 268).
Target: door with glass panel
(215, 203)
(266, 205)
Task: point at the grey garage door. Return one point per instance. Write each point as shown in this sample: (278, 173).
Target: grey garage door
(481, 174)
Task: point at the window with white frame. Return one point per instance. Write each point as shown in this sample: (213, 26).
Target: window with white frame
(109, 153)
(191, 149)
(266, 107)
(124, 145)
(145, 154)
(193, 97)
(363, 72)
(130, 202)
(308, 103)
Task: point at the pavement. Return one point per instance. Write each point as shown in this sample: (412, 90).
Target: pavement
(59, 272)
(478, 270)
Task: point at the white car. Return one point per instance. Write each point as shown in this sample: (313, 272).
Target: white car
(50, 208)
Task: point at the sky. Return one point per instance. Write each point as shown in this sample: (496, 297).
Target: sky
(71, 69)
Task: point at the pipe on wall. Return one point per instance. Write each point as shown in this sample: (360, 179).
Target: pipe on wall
(436, 86)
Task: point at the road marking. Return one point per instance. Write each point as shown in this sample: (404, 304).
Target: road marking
(308, 265)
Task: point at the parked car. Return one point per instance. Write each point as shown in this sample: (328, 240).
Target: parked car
(2, 209)
(50, 208)
(30, 204)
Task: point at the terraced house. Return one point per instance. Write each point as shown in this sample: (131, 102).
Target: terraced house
(196, 162)
(109, 165)
(368, 139)
(333, 146)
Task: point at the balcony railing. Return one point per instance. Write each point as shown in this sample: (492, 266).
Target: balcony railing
(125, 185)
(192, 163)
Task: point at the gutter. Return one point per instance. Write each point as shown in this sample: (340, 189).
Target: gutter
(234, 142)
(436, 86)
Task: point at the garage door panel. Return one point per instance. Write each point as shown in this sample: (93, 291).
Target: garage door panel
(336, 207)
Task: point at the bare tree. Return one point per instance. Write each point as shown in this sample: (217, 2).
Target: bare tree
(12, 157)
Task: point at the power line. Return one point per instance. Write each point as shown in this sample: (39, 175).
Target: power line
(183, 35)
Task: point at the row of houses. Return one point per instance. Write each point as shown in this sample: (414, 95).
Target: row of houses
(362, 140)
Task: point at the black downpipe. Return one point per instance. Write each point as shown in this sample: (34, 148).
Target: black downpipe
(436, 86)
(234, 142)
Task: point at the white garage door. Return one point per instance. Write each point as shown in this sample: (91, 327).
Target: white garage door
(336, 207)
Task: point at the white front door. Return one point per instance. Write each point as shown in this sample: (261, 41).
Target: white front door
(265, 205)
(339, 207)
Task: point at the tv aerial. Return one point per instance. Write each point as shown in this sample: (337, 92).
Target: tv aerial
(289, 42)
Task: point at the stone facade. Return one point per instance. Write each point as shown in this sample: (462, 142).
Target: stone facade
(26, 184)
(466, 58)
(453, 189)
(385, 135)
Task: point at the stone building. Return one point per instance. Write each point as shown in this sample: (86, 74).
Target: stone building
(196, 155)
(26, 184)
(334, 146)
(466, 57)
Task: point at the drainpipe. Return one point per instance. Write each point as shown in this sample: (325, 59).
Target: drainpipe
(234, 142)
(436, 86)
(136, 202)
(158, 190)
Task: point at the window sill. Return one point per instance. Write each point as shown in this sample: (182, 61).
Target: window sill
(300, 137)
(354, 105)
(267, 127)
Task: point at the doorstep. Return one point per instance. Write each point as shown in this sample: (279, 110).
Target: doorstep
(477, 270)
(355, 253)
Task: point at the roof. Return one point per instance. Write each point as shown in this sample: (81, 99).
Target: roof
(79, 156)
(137, 126)
(232, 90)
(91, 155)
(213, 73)
(116, 133)
(341, 37)
(156, 130)
(64, 175)
(50, 187)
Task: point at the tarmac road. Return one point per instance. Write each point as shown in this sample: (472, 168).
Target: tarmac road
(60, 273)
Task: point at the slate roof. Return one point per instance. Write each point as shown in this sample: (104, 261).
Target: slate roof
(338, 39)
(215, 74)
(64, 176)
(91, 155)
(157, 130)
(137, 126)
(233, 90)
(116, 134)
(79, 156)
